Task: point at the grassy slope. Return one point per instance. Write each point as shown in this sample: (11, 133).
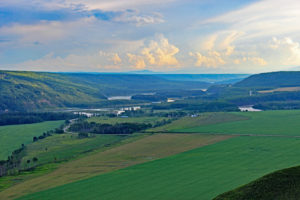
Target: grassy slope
(202, 173)
(109, 120)
(12, 136)
(132, 151)
(260, 123)
(55, 149)
(280, 185)
(203, 119)
(66, 146)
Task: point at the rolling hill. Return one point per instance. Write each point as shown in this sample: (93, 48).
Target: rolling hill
(37, 90)
(272, 80)
(264, 88)
(280, 185)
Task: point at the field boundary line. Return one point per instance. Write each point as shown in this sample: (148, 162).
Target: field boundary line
(235, 134)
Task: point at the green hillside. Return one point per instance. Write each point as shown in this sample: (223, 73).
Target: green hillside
(36, 90)
(280, 185)
(31, 90)
(271, 79)
(13, 136)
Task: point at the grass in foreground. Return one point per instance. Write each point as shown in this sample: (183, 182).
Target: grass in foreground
(13, 136)
(280, 185)
(132, 151)
(260, 123)
(201, 173)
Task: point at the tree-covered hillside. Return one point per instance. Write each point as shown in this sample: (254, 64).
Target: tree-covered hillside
(250, 91)
(30, 90)
(35, 90)
(272, 80)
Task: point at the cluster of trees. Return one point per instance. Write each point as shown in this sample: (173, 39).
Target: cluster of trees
(119, 128)
(278, 105)
(271, 97)
(83, 135)
(46, 134)
(12, 164)
(171, 114)
(59, 130)
(29, 118)
(162, 122)
(165, 94)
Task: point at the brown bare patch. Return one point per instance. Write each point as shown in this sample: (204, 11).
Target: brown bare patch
(282, 89)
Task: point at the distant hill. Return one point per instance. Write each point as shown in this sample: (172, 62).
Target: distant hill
(142, 72)
(36, 90)
(280, 185)
(211, 78)
(272, 80)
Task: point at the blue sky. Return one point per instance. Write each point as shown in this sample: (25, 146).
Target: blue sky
(178, 36)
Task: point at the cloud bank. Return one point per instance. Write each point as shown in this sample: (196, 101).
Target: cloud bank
(98, 35)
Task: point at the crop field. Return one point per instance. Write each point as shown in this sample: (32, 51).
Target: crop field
(201, 173)
(129, 152)
(13, 136)
(114, 120)
(202, 119)
(284, 123)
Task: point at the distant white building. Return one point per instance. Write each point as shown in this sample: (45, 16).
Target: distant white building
(170, 100)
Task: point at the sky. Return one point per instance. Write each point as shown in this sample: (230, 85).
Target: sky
(171, 36)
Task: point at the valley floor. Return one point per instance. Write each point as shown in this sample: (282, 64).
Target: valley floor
(202, 173)
(215, 153)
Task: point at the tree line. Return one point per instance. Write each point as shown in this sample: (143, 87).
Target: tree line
(13, 163)
(119, 128)
(31, 117)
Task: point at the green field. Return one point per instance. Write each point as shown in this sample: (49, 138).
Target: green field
(13, 136)
(202, 119)
(131, 151)
(201, 173)
(114, 120)
(258, 123)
